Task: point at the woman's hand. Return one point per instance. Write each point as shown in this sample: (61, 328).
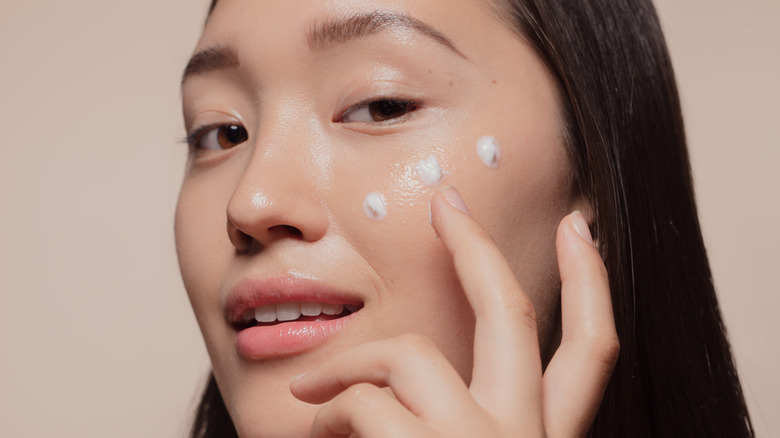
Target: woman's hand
(508, 395)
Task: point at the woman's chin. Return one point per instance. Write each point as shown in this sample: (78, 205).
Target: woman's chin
(262, 416)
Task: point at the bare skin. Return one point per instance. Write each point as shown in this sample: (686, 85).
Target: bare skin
(286, 142)
(431, 400)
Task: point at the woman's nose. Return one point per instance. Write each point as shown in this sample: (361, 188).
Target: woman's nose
(276, 198)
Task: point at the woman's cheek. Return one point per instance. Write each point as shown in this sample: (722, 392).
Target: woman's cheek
(204, 252)
(420, 290)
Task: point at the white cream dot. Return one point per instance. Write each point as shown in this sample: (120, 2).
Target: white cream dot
(374, 206)
(488, 151)
(429, 171)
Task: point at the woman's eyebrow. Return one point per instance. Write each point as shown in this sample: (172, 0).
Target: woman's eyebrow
(355, 27)
(323, 35)
(210, 59)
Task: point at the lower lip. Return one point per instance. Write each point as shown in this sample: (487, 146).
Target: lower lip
(287, 338)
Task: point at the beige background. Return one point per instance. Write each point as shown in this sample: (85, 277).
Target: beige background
(96, 334)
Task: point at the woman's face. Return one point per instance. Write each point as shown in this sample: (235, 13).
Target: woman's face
(298, 111)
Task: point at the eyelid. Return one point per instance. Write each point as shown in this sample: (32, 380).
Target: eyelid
(211, 119)
(415, 104)
(197, 132)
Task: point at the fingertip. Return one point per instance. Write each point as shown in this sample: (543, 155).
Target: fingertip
(300, 389)
(442, 206)
(294, 379)
(580, 226)
(454, 198)
(434, 211)
(294, 388)
(573, 256)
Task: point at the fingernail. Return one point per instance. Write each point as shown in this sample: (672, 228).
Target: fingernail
(581, 226)
(294, 378)
(452, 196)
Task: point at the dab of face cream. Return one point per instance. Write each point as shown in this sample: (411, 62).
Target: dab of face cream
(429, 171)
(374, 206)
(488, 151)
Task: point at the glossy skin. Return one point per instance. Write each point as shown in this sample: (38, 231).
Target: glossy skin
(291, 195)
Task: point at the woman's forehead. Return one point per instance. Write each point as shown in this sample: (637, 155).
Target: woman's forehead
(469, 29)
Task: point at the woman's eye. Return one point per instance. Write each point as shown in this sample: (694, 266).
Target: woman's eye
(218, 138)
(381, 110)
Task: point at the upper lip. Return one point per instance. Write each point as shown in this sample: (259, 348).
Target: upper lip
(252, 293)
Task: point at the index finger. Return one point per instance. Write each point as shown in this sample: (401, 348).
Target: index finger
(507, 366)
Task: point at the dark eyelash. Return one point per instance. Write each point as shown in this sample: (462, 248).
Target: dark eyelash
(391, 99)
(415, 105)
(394, 101)
(195, 135)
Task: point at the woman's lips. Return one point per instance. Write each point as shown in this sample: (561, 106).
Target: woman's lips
(286, 315)
(287, 338)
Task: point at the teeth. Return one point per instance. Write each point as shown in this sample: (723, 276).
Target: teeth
(291, 311)
(266, 313)
(332, 309)
(288, 311)
(311, 309)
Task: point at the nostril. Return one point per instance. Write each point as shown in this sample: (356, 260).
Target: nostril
(246, 243)
(286, 230)
(240, 240)
(294, 231)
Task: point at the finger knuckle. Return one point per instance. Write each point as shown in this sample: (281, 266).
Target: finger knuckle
(362, 393)
(416, 343)
(522, 310)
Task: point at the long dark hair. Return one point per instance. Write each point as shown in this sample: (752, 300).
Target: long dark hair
(675, 375)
